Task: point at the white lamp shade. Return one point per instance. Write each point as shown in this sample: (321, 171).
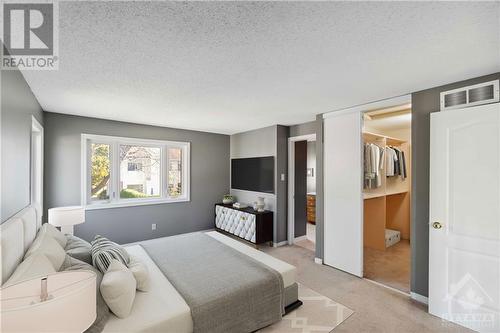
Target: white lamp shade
(71, 306)
(65, 216)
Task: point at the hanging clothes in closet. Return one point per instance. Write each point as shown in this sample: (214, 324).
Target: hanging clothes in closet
(373, 165)
(395, 162)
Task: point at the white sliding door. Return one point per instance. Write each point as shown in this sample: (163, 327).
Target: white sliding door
(343, 201)
(464, 252)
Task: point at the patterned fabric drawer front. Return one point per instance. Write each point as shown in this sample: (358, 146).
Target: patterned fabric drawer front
(236, 222)
(247, 227)
(219, 215)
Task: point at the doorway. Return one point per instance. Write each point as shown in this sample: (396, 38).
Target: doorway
(386, 196)
(302, 191)
(343, 190)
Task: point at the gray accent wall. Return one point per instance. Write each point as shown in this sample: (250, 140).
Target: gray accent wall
(254, 143)
(17, 107)
(281, 185)
(303, 129)
(209, 179)
(267, 141)
(423, 104)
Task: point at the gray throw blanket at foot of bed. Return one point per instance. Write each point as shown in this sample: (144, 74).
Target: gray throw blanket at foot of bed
(226, 290)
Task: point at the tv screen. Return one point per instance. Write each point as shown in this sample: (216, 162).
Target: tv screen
(253, 174)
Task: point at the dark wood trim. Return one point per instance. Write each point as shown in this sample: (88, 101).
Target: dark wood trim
(293, 306)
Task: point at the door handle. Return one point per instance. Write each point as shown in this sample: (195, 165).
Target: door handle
(437, 225)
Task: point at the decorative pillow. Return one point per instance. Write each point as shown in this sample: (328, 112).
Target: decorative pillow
(118, 288)
(104, 250)
(34, 266)
(45, 244)
(141, 273)
(73, 264)
(78, 248)
(54, 233)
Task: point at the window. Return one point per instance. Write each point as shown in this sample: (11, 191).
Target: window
(140, 171)
(174, 172)
(126, 172)
(99, 177)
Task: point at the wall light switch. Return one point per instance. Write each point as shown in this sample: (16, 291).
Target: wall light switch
(282, 177)
(153, 226)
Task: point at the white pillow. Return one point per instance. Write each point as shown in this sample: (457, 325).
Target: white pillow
(47, 245)
(141, 273)
(54, 233)
(118, 288)
(37, 265)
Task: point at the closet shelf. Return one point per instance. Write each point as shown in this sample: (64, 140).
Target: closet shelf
(373, 195)
(397, 192)
(369, 195)
(389, 140)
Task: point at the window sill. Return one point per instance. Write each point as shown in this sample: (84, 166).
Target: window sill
(134, 203)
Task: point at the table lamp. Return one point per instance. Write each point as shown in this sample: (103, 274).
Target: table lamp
(66, 217)
(59, 302)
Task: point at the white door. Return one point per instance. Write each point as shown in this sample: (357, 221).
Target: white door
(464, 250)
(343, 201)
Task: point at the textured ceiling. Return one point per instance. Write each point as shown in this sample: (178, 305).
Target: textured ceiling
(228, 67)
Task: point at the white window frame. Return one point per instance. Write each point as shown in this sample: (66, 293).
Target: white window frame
(36, 182)
(114, 200)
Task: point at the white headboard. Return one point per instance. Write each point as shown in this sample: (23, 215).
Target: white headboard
(16, 235)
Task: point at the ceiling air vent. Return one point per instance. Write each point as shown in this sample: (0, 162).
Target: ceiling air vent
(483, 93)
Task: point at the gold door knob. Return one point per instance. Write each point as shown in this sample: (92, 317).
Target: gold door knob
(437, 225)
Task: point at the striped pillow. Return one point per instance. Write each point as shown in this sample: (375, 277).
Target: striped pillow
(104, 250)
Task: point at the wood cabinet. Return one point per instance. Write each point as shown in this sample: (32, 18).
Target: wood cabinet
(311, 208)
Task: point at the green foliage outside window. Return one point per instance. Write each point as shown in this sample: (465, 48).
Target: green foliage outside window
(100, 171)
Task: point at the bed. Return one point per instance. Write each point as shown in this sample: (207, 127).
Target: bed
(165, 307)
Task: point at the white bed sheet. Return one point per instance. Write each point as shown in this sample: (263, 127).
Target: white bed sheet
(163, 309)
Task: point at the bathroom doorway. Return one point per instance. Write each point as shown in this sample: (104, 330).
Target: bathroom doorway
(302, 191)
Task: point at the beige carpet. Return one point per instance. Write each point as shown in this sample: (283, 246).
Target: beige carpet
(318, 314)
(376, 309)
(307, 244)
(390, 267)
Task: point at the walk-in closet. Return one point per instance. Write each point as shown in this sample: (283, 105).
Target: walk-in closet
(386, 196)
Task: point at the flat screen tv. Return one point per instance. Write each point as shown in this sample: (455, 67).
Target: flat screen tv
(253, 174)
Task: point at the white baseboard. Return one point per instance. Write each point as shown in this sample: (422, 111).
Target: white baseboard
(280, 244)
(388, 287)
(419, 298)
(298, 239)
(318, 261)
